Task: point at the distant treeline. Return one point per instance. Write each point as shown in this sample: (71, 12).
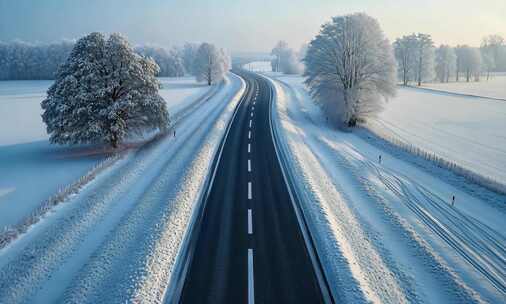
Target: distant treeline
(25, 61)
(419, 60)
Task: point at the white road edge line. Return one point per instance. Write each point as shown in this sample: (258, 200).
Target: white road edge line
(250, 222)
(250, 194)
(249, 165)
(249, 148)
(251, 283)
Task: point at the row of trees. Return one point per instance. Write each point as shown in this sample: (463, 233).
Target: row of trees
(20, 60)
(106, 91)
(418, 60)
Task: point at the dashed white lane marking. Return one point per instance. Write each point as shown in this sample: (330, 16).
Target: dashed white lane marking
(249, 148)
(250, 222)
(250, 123)
(250, 194)
(253, 108)
(251, 283)
(249, 134)
(249, 165)
(251, 114)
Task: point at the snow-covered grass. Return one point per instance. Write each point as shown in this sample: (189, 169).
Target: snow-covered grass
(495, 87)
(464, 132)
(387, 232)
(34, 172)
(118, 238)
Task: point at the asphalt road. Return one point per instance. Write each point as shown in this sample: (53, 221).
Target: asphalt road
(249, 246)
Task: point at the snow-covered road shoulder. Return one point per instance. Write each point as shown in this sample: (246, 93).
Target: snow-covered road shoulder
(117, 240)
(386, 232)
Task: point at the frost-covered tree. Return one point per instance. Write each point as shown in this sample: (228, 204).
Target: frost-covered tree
(278, 52)
(170, 62)
(424, 66)
(285, 59)
(492, 53)
(103, 93)
(468, 62)
(445, 62)
(405, 54)
(493, 49)
(22, 61)
(350, 68)
(210, 65)
(189, 54)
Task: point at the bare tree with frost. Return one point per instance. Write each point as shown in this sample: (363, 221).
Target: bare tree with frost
(103, 93)
(445, 62)
(491, 50)
(209, 64)
(285, 59)
(350, 68)
(405, 54)
(189, 53)
(424, 66)
(468, 62)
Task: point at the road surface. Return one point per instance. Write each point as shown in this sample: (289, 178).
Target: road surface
(248, 246)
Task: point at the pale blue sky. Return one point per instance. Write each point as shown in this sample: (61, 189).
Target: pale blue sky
(240, 25)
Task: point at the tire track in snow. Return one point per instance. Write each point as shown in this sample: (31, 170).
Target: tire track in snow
(478, 244)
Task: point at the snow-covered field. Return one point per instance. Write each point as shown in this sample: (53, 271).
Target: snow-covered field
(31, 169)
(117, 239)
(387, 232)
(495, 87)
(464, 130)
(259, 66)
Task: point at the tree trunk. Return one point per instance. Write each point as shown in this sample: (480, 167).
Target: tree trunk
(114, 141)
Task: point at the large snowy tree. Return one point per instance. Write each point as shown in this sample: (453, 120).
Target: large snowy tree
(350, 68)
(103, 93)
(210, 64)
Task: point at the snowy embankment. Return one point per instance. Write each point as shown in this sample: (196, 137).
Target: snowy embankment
(117, 239)
(464, 134)
(34, 172)
(387, 232)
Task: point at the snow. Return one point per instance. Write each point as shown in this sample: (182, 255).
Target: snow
(386, 232)
(117, 240)
(495, 87)
(464, 130)
(259, 66)
(32, 169)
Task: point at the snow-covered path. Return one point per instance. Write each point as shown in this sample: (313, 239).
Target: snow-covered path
(116, 241)
(386, 232)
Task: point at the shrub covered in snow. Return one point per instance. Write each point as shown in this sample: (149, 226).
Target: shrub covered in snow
(350, 68)
(103, 93)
